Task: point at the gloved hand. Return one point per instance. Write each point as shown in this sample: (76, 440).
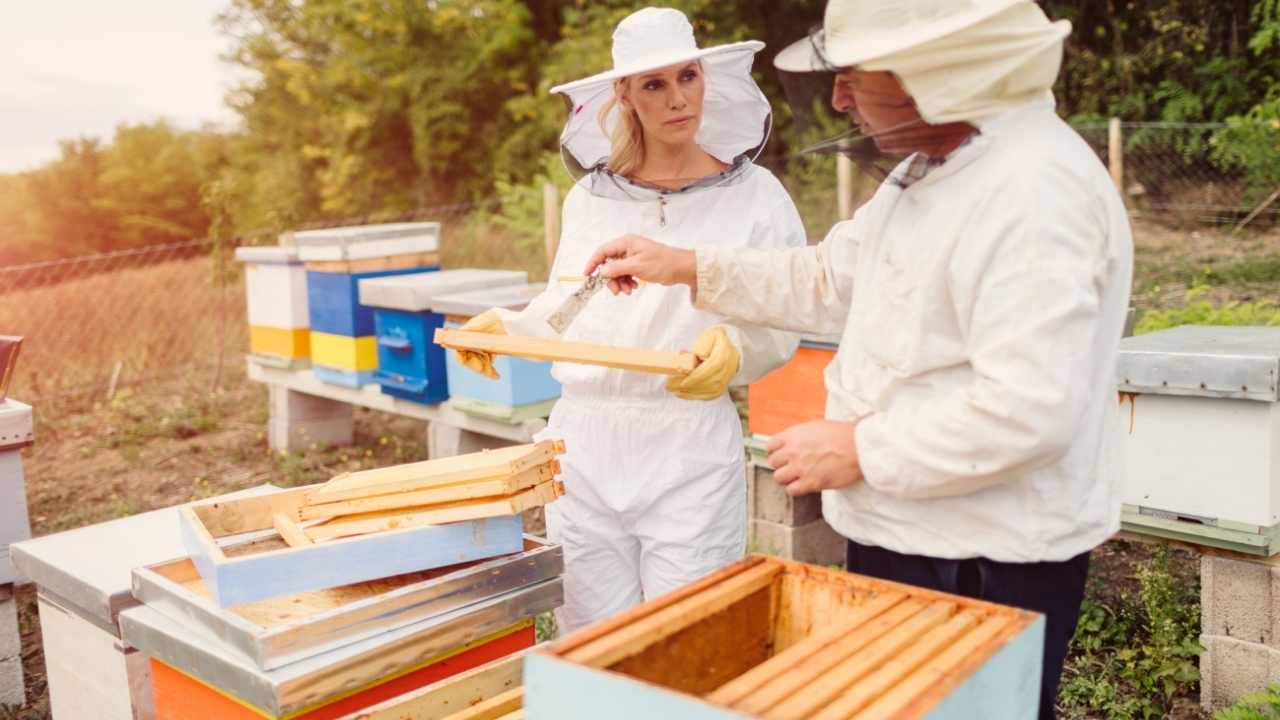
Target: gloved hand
(711, 378)
(479, 361)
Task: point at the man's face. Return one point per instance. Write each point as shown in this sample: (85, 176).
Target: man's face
(881, 107)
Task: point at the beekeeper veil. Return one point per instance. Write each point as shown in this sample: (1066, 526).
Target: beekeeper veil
(736, 116)
(960, 60)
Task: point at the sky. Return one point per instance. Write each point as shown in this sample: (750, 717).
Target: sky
(71, 68)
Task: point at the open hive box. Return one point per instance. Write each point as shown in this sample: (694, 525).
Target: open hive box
(768, 638)
(371, 524)
(277, 631)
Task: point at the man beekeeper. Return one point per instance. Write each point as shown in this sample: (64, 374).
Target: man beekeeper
(971, 434)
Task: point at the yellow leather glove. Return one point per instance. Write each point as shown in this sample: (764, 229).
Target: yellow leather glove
(719, 363)
(482, 362)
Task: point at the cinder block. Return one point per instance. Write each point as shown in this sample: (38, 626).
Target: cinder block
(1231, 668)
(10, 639)
(12, 691)
(446, 441)
(766, 500)
(294, 405)
(814, 542)
(302, 434)
(1236, 599)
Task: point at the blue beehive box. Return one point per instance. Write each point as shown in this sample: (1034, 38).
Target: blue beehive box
(337, 259)
(522, 383)
(410, 364)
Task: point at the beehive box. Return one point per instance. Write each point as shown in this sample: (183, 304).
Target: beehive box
(1200, 425)
(343, 346)
(279, 631)
(524, 388)
(410, 366)
(478, 694)
(769, 638)
(793, 393)
(275, 284)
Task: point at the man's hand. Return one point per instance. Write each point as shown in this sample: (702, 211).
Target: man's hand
(479, 361)
(813, 456)
(632, 257)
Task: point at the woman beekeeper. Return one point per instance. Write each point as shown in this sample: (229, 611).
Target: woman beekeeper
(664, 144)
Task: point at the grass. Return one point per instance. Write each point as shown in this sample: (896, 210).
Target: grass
(151, 321)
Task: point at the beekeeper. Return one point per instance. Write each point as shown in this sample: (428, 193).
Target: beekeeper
(664, 145)
(970, 440)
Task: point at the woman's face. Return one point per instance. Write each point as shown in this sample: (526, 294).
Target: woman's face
(668, 102)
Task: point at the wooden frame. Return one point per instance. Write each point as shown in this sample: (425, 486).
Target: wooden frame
(769, 638)
(384, 520)
(537, 348)
(450, 698)
(499, 463)
(247, 578)
(280, 631)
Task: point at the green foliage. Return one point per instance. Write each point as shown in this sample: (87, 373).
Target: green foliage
(1200, 311)
(1132, 660)
(1263, 705)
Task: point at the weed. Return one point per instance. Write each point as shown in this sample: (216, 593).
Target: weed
(1263, 705)
(1131, 661)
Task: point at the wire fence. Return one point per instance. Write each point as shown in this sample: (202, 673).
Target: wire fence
(97, 323)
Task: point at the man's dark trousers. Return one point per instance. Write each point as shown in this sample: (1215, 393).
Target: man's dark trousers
(1055, 589)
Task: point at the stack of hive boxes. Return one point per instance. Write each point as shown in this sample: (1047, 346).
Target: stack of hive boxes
(780, 524)
(524, 388)
(343, 344)
(275, 284)
(410, 365)
(277, 613)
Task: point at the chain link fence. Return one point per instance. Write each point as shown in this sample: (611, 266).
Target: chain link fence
(96, 323)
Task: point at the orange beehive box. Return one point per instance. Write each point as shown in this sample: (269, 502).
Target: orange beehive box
(792, 394)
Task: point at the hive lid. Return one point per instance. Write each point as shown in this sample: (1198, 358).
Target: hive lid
(268, 254)
(474, 302)
(91, 567)
(1203, 361)
(352, 234)
(417, 292)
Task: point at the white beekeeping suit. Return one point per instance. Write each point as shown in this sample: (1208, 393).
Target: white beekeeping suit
(980, 306)
(655, 484)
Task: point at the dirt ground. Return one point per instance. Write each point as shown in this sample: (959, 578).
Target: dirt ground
(171, 441)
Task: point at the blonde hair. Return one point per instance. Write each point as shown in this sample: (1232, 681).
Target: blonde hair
(626, 143)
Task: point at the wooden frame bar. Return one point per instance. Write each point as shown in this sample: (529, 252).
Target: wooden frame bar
(844, 646)
(537, 348)
(246, 578)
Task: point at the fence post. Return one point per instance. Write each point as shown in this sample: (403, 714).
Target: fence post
(1115, 154)
(844, 186)
(550, 221)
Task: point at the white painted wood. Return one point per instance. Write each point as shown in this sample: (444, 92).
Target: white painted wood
(415, 292)
(14, 524)
(17, 423)
(277, 295)
(86, 667)
(1202, 457)
(427, 242)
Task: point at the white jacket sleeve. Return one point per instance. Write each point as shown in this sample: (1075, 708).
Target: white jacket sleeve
(762, 349)
(1027, 291)
(803, 289)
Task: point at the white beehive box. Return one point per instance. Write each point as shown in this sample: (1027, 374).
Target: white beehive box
(275, 282)
(1200, 421)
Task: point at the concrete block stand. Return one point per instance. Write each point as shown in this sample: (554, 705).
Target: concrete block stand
(12, 691)
(789, 527)
(1240, 627)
